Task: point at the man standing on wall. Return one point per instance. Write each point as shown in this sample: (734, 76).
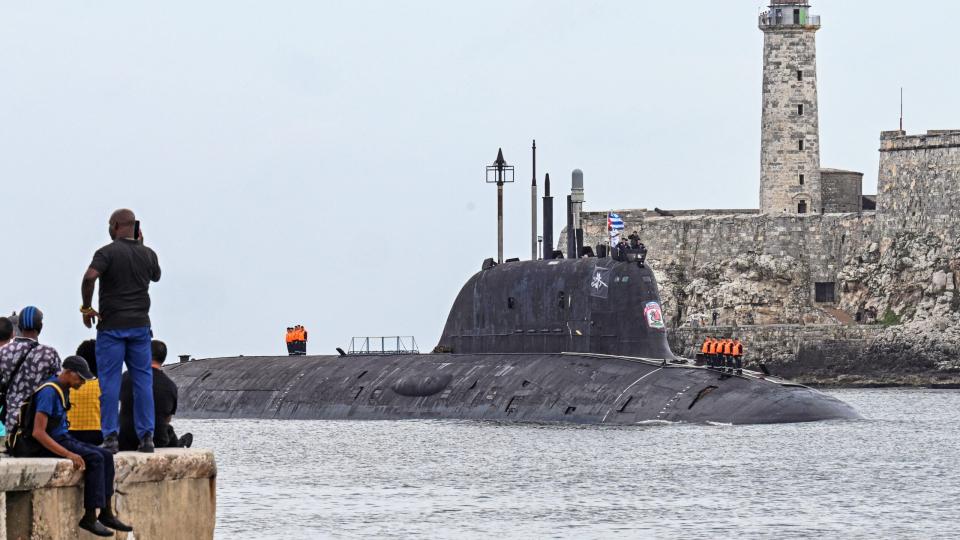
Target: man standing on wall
(125, 269)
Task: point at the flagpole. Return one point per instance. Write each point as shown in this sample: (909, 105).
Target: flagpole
(609, 232)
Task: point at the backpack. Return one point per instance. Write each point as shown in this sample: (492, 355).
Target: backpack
(13, 375)
(21, 443)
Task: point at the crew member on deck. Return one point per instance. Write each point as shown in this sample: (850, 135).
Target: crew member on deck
(290, 340)
(298, 341)
(738, 355)
(705, 350)
(728, 356)
(712, 353)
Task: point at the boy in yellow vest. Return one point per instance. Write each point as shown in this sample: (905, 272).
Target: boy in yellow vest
(84, 413)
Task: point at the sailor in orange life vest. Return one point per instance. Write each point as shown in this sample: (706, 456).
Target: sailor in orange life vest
(290, 340)
(714, 348)
(728, 355)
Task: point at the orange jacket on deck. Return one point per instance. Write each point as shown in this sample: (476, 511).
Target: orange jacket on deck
(737, 348)
(705, 349)
(289, 336)
(727, 347)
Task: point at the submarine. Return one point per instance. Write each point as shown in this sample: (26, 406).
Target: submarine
(556, 340)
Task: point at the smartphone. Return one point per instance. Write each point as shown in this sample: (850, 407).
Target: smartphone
(136, 229)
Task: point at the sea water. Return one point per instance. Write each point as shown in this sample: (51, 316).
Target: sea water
(894, 475)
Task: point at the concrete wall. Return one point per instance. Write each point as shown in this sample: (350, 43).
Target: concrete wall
(170, 494)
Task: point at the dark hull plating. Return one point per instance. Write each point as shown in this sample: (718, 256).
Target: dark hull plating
(561, 387)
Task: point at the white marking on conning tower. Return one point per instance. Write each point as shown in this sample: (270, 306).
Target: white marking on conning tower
(625, 391)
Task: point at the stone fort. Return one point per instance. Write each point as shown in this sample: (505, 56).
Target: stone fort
(820, 279)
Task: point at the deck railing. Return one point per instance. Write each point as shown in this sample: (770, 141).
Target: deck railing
(383, 345)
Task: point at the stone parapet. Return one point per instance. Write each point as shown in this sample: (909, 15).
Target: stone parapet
(893, 141)
(168, 494)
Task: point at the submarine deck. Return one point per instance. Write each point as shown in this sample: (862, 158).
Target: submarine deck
(578, 387)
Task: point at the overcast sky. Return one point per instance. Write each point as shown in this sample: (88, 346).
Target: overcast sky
(323, 162)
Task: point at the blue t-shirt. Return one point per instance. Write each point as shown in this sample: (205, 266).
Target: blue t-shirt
(48, 402)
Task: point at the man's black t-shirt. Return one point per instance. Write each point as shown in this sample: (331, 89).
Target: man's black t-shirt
(126, 269)
(164, 403)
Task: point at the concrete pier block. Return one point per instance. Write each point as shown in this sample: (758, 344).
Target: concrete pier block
(168, 494)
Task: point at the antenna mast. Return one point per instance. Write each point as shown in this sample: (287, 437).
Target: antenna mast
(533, 206)
(901, 108)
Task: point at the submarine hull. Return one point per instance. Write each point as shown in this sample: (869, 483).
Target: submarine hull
(581, 388)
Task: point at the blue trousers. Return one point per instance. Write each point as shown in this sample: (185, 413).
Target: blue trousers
(115, 348)
(99, 472)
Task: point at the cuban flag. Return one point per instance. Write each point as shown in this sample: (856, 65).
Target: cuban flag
(614, 222)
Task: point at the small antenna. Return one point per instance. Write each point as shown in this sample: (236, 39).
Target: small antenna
(901, 108)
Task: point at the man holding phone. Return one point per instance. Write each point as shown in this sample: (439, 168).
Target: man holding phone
(125, 268)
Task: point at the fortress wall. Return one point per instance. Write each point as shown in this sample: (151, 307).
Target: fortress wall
(919, 183)
(752, 269)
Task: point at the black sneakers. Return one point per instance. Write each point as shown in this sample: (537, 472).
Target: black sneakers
(111, 444)
(95, 527)
(112, 522)
(186, 441)
(146, 444)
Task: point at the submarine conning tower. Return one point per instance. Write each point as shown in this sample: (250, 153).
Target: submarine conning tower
(588, 305)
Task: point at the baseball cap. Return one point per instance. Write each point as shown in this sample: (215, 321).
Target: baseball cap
(78, 365)
(31, 318)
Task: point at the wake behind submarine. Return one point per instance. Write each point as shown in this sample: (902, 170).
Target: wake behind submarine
(563, 340)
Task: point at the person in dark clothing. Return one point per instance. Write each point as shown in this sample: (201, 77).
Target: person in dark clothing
(125, 269)
(6, 331)
(50, 433)
(165, 406)
(641, 252)
(634, 240)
